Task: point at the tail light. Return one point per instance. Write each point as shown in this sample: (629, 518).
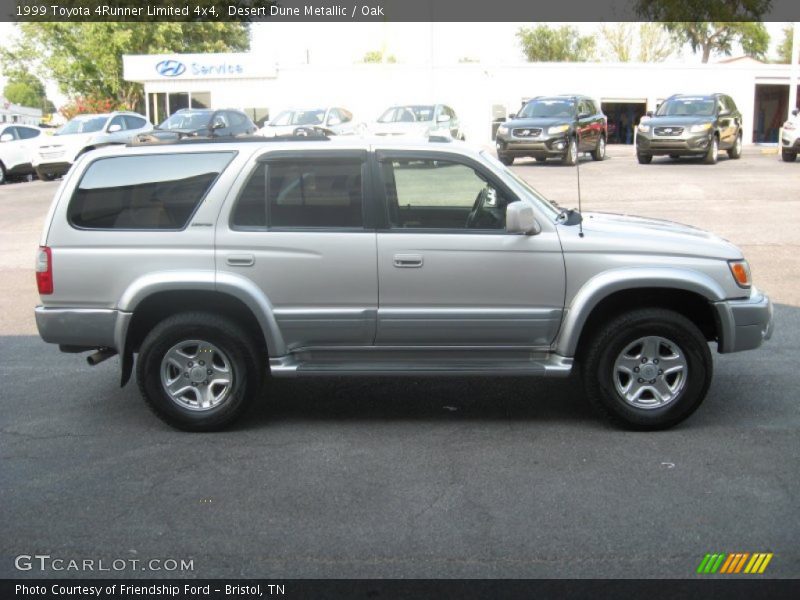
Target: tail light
(44, 270)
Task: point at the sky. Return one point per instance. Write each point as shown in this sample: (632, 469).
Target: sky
(410, 43)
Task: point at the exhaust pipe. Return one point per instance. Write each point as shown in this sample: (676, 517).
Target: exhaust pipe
(99, 356)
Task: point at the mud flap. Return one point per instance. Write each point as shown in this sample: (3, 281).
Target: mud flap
(126, 368)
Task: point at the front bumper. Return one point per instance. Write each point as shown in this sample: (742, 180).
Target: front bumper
(790, 143)
(542, 146)
(684, 144)
(744, 324)
(83, 327)
(56, 169)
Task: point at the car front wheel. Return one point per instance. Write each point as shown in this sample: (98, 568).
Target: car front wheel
(198, 371)
(648, 369)
(506, 160)
(571, 155)
(736, 151)
(644, 159)
(599, 152)
(711, 155)
(788, 155)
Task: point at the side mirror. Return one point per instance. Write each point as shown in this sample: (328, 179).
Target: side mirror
(442, 118)
(520, 219)
(114, 128)
(512, 116)
(6, 137)
(584, 115)
(795, 112)
(217, 125)
(334, 121)
(724, 113)
(649, 113)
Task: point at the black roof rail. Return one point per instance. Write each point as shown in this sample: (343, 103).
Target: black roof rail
(233, 140)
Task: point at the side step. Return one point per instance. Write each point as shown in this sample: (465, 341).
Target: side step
(371, 363)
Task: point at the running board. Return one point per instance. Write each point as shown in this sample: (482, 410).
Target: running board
(307, 364)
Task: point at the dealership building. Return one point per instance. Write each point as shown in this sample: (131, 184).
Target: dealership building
(479, 93)
(15, 113)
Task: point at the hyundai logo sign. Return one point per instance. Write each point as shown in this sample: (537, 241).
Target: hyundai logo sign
(170, 68)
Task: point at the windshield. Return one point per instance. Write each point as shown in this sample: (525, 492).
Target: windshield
(548, 108)
(687, 107)
(187, 120)
(548, 206)
(299, 117)
(407, 114)
(83, 125)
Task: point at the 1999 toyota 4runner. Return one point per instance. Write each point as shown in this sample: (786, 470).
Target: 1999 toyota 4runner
(220, 264)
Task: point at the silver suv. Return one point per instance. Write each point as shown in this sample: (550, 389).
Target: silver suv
(222, 265)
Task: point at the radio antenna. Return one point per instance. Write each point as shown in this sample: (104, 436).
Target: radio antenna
(578, 164)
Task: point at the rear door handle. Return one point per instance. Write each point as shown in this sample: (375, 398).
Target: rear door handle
(241, 260)
(407, 261)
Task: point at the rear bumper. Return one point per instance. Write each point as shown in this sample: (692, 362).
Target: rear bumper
(83, 327)
(745, 324)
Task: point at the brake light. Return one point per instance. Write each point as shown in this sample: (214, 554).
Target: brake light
(44, 270)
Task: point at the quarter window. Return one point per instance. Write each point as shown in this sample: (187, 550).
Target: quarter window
(435, 194)
(302, 194)
(158, 191)
(26, 133)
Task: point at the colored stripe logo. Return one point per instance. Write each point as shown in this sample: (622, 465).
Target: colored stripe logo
(735, 563)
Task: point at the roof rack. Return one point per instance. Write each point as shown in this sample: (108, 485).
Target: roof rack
(231, 140)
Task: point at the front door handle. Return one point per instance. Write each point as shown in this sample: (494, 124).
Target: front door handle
(407, 261)
(241, 260)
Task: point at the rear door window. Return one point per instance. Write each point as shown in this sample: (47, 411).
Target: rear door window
(144, 192)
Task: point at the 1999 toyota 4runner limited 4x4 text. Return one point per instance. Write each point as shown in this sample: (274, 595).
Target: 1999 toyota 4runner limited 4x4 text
(219, 265)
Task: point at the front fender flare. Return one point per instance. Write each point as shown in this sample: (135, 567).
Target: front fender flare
(606, 283)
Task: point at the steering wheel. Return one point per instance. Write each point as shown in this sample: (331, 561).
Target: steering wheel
(477, 207)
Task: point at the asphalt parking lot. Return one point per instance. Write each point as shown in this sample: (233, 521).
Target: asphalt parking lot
(420, 477)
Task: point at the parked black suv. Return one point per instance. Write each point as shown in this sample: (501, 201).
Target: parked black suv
(554, 127)
(200, 123)
(686, 125)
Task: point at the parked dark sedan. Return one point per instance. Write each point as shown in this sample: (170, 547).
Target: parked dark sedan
(554, 127)
(200, 123)
(691, 126)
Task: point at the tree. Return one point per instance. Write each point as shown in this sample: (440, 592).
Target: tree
(712, 26)
(643, 42)
(785, 47)
(378, 56)
(85, 59)
(564, 44)
(27, 90)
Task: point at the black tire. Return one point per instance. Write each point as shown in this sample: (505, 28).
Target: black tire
(711, 155)
(644, 159)
(540, 158)
(599, 153)
(788, 155)
(736, 151)
(570, 157)
(245, 361)
(597, 368)
(674, 156)
(506, 160)
(3, 178)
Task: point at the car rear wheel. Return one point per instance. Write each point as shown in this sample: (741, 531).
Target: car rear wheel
(599, 153)
(788, 155)
(647, 369)
(736, 151)
(644, 159)
(2, 174)
(198, 371)
(571, 155)
(506, 160)
(711, 155)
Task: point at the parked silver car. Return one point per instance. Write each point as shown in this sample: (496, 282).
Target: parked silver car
(418, 121)
(332, 120)
(220, 265)
(83, 133)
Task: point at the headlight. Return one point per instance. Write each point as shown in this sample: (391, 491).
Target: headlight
(503, 129)
(557, 129)
(741, 272)
(788, 125)
(644, 128)
(700, 128)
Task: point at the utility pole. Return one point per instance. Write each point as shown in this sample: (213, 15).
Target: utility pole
(794, 68)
